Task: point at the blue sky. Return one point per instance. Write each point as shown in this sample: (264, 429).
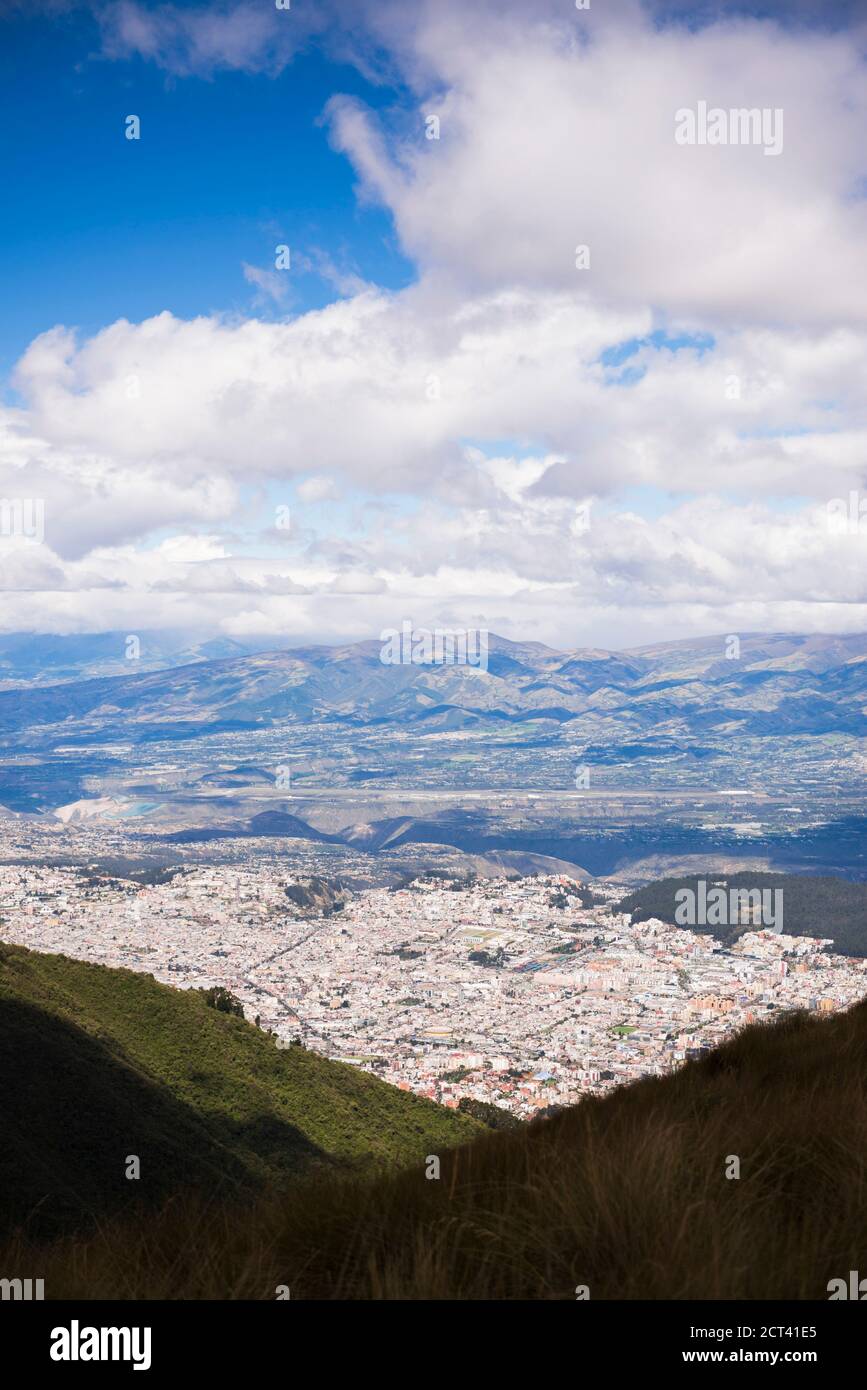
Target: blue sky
(227, 167)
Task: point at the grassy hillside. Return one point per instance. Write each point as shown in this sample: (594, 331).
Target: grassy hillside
(98, 1064)
(830, 907)
(628, 1195)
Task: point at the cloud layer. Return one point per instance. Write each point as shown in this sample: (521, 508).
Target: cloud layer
(623, 444)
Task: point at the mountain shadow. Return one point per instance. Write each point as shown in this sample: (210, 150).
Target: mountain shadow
(76, 1110)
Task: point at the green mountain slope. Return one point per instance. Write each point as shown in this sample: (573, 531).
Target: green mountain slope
(99, 1064)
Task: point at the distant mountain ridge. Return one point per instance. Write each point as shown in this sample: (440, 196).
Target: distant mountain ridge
(689, 690)
(50, 658)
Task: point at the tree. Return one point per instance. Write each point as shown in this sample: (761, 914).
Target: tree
(222, 1000)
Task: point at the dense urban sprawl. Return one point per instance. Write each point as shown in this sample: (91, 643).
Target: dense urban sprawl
(526, 993)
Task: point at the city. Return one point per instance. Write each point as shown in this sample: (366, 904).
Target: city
(526, 993)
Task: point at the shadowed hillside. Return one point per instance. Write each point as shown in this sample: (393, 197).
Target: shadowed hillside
(97, 1064)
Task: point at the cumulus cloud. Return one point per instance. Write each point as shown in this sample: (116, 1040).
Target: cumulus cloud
(754, 417)
(557, 130)
(384, 390)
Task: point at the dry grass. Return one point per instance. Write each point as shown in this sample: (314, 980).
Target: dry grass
(627, 1195)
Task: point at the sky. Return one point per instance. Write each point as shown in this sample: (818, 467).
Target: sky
(471, 314)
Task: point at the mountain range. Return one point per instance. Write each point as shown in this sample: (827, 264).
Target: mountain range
(678, 692)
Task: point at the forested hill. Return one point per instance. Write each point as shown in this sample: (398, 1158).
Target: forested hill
(827, 907)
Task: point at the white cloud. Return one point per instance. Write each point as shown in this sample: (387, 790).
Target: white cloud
(383, 390)
(318, 489)
(201, 40)
(557, 130)
(269, 284)
(223, 405)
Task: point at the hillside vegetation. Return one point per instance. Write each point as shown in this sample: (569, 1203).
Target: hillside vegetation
(98, 1064)
(830, 907)
(626, 1196)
